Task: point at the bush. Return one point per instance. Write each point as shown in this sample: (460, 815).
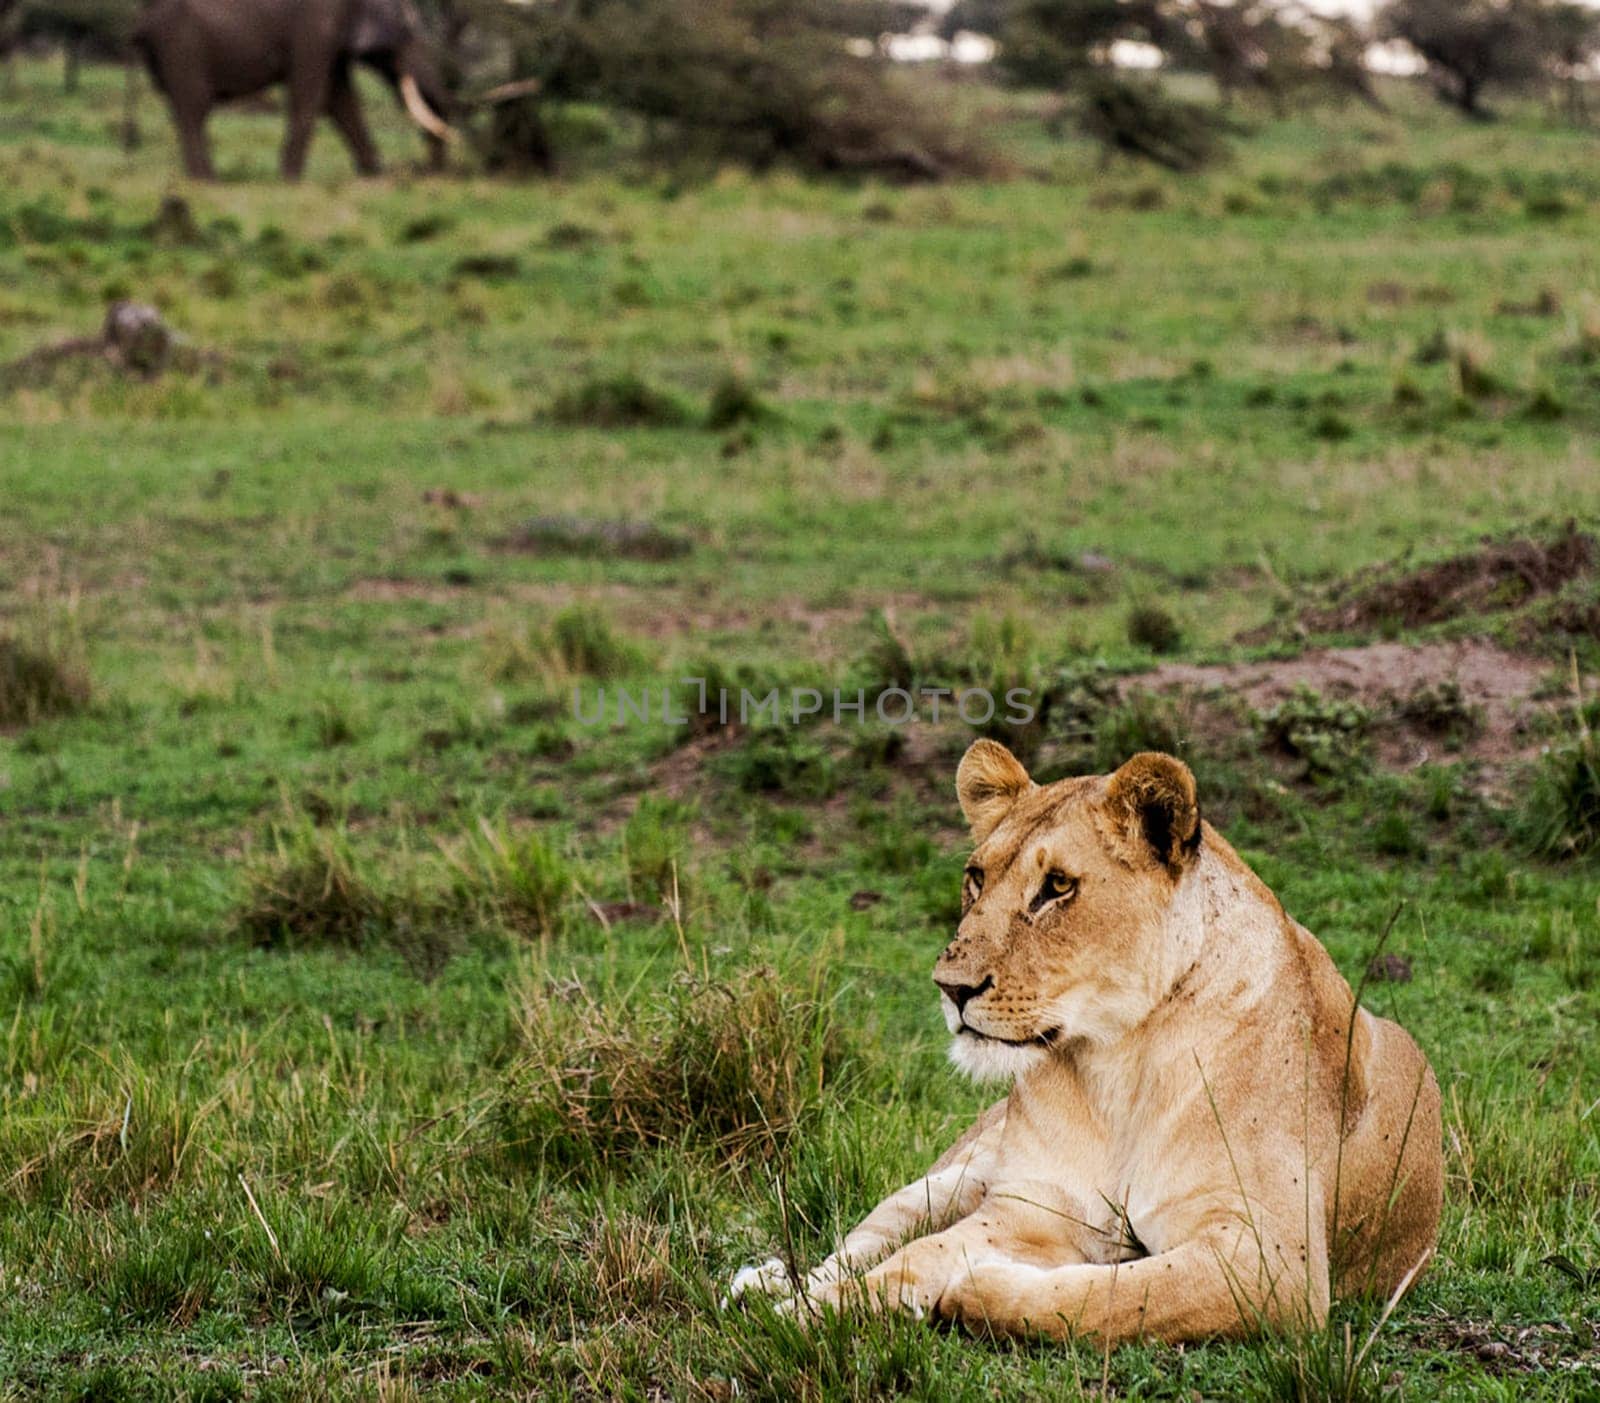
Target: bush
(734, 402)
(1327, 734)
(1145, 721)
(1150, 626)
(779, 760)
(733, 1063)
(1136, 118)
(519, 880)
(313, 886)
(41, 677)
(618, 402)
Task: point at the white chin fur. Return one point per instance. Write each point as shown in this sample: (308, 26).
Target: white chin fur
(952, 1015)
(992, 1061)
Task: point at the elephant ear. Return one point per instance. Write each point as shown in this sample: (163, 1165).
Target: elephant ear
(379, 26)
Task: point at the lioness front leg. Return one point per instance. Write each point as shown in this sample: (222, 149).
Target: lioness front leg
(1027, 1225)
(950, 1190)
(1219, 1284)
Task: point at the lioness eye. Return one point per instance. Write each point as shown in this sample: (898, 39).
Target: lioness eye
(1057, 886)
(973, 882)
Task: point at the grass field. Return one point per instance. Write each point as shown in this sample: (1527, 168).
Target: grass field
(365, 1019)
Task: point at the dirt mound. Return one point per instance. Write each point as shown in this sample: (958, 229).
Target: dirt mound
(1501, 688)
(1499, 575)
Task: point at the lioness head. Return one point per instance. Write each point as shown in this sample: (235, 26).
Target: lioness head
(1073, 922)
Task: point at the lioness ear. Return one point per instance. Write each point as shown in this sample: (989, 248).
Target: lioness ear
(989, 780)
(1154, 802)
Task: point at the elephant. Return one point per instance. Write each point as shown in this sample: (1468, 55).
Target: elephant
(202, 52)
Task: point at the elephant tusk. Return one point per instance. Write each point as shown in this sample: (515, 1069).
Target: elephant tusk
(423, 115)
(510, 92)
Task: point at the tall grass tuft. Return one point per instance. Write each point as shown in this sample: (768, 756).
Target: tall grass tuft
(579, 642)
(43, 672)
(312, 886)
(586, 644)
(519, 880)
(1560, 816)
(731, 1063)
(656, 846)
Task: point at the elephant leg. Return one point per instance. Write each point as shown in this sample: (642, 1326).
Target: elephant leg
(344, 106)
(192, 141)
(310, 79)
(303, 114)
(178, 71)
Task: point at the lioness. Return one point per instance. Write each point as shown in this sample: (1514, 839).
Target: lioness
(1197, 1142)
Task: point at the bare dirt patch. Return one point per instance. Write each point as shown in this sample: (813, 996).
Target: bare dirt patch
(1510, 1348)
(1502, 687)
(1499, 575)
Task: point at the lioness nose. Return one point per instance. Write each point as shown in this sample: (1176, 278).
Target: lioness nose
(961, 994)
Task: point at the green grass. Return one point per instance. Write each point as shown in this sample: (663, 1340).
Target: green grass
(315, 899)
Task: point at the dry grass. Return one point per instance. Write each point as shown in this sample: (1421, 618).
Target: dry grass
(734, 1063)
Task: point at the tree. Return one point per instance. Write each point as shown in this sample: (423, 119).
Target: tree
(1471, 45)
(757, 81)
(1569, 37)
(1067, 47)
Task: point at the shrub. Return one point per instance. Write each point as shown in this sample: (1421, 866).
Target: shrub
(733, 402)
(1408, 394)
(622, 401)
(1332, 427)
(1150, 626)
(1002, 659)
(779, 760)
(1545, 404)
(161, 1274)
(1469, 358)
(886, 660)
(336, 720)
(1145, 721)
(1441, 710)
(743, 80)
(1137, 118)
(1327, 734)
(733, 1063)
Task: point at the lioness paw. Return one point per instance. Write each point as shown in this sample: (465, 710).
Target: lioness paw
(768, 1278)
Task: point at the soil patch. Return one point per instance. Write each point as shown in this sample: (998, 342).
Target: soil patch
(1509, 1348)
(1503, 689)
